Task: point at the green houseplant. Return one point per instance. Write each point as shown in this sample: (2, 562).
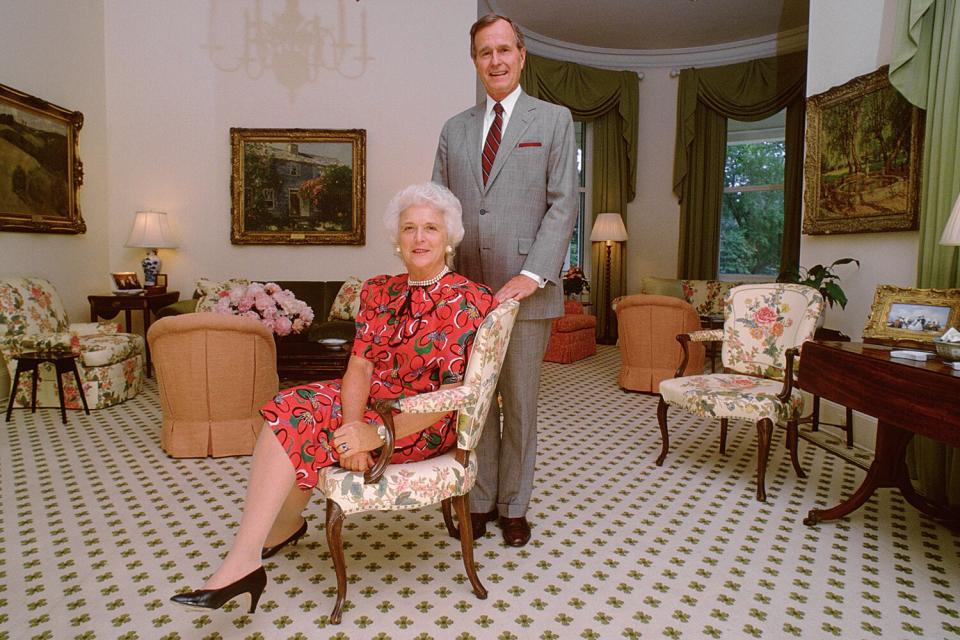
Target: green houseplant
(824, 279)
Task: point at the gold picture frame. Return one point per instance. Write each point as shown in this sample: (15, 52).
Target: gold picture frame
(40, 168)
(298, 186)
(911, 317)
(864, 144)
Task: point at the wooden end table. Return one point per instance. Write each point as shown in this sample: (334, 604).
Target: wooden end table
(109, 305)
(63, 362)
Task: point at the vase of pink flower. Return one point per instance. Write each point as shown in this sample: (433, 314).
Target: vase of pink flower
(277, 308)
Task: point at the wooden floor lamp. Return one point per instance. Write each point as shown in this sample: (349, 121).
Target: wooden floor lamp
(608, 228)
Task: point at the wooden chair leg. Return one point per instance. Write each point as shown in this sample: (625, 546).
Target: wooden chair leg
(335, 542)
(848, 426)
(664, 436)
(764, 434)
(466, 543)
(723, 435)
(448, 519)
(793, 445)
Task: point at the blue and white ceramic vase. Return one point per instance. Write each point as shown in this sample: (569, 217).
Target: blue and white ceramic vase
(151, 267)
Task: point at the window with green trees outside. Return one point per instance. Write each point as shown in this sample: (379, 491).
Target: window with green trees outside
(751, 215)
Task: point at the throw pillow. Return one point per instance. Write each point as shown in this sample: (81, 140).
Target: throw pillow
(655, 286)
(211, 290)
(347, 303)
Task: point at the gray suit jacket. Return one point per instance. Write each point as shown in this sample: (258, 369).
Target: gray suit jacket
(524, 216)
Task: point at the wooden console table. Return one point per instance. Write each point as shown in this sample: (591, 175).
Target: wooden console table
(906, 397)
(109, 305)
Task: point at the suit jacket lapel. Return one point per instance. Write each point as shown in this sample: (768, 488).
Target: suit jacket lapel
(523, 114)
(473, 130)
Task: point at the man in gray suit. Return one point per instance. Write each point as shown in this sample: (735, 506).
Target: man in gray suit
(512, 163)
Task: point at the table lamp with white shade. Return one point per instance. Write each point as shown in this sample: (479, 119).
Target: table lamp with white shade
(608, 228)
(951, 232)
(151, 231)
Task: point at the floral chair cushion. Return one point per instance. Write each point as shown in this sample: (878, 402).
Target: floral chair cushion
(403, 486)
(762, 321)
(417, 484)
(211, 291)
(731, 396)
(347, 303)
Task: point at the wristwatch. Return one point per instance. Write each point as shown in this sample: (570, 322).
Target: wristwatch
(382, 432)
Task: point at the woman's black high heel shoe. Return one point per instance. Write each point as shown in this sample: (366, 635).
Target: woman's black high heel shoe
(252, 583)
(272, 551)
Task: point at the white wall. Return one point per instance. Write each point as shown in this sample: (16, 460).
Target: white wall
(170, 110)
(54, 50)
(653, 218)
(848, 39)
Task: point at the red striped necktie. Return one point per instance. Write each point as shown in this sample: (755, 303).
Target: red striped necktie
(493, 141)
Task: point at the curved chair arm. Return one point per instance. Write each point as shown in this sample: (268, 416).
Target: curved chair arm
(385, 409)
(452, 399)
(707, 335)
(784, 394)
(683, 339)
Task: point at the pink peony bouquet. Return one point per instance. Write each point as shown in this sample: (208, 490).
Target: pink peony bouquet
(278, 309)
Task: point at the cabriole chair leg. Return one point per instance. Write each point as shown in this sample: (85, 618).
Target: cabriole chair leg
(793, 444)
(723, 435)
(764, 434)
(335, 542)
(466, 544)
(664, 436)
(448, 518)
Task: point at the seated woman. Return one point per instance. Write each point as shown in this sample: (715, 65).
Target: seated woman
(414, 333)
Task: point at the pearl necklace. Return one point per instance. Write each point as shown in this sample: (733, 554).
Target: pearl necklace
(429, 281)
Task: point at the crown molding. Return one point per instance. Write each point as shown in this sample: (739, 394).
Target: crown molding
(641, 59)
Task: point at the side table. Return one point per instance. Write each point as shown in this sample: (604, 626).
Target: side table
(109, 305)
(63, 362)
(823, 333)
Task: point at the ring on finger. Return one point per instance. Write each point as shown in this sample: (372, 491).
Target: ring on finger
(344, 447)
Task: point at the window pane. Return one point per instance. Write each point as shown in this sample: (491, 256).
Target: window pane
(575, 250)
(751, 216)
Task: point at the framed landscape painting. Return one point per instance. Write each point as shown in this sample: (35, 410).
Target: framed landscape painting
(862, 167)
(40, 168)
(298, 186)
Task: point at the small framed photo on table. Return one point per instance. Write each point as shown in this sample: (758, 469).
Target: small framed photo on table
(125, 281)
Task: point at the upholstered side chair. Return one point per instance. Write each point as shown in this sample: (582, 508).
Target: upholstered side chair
(446, 478)
(32, 319)
(764, 327)
(214, 372)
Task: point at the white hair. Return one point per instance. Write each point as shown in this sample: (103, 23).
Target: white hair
(428, 194)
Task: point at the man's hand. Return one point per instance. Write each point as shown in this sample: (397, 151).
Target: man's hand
(517, 288)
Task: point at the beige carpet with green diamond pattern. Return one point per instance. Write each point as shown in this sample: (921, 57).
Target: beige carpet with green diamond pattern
(98, 528)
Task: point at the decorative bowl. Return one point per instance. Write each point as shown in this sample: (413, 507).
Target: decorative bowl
(947, 350)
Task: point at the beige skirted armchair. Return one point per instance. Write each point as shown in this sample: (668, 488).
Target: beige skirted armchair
(214, 372)
(648, 326)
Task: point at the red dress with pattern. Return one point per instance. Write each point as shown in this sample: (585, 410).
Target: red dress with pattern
(418, 338)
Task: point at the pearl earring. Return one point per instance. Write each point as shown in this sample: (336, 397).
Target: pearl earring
(449, 249)
(396, 249)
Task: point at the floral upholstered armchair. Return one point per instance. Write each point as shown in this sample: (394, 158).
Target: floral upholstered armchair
(446, 478)
(32, 318)
(764, 327)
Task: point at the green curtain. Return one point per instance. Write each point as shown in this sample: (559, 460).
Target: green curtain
(746, 91)
(608, 99)
(926, 70)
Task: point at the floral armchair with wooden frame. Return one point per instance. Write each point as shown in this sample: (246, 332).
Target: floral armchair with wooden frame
(764, 327)
(446, 478)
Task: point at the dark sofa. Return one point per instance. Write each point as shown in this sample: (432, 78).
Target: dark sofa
(302, 356)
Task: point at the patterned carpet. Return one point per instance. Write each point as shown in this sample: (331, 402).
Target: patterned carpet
(98, 527)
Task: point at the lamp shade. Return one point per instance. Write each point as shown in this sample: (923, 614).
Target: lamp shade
(951, 232)
(151, 231)
(608, 227)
